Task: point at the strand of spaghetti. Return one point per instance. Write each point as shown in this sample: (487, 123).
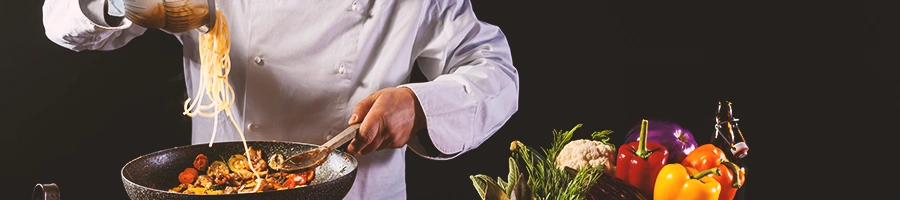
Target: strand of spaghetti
(193, 109)
(207, 56)
(224, 56)
(189, 105)
(215, 126)
(228, 105)
(215, 66)
(209, 47)
(195, 105)
(210, 50)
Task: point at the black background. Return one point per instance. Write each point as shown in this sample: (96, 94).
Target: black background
(808, 79)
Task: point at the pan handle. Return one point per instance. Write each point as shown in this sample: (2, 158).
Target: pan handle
(45, 192)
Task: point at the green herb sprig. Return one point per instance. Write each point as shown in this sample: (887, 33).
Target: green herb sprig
(544, 180)
(603, 136)
(550, 182)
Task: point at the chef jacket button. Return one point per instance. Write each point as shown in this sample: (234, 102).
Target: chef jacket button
(252, 126)
(354, 6)
(341, 69)
(258, 60)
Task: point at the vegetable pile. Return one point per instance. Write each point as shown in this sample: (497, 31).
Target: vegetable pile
(567, 170)
(238, 175)
(659, 160)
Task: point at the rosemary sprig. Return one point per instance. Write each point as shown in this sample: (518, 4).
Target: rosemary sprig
(581, 183)
(560, 139)
(544, 179)
(548, 181)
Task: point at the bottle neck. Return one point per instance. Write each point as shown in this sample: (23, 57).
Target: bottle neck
(728, 136)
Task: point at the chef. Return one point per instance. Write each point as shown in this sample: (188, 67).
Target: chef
(303, 70)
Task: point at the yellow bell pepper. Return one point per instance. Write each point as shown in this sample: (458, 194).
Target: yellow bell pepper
(677, 182)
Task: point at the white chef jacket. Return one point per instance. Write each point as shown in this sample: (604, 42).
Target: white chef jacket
(299, 67)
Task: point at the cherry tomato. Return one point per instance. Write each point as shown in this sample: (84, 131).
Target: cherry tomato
(187, 176)
(200, 162)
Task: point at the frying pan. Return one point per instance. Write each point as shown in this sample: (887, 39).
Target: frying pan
(151, 176)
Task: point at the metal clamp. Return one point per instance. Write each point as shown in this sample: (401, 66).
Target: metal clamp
(212, 17)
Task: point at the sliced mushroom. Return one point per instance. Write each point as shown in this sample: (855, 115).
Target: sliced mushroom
(275, 161)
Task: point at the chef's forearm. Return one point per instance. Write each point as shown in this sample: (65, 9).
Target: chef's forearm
(461, 114)
(474, 86)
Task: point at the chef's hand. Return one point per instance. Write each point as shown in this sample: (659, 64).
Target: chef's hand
(388, 118)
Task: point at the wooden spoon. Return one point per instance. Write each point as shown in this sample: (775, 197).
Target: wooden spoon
(313, 158)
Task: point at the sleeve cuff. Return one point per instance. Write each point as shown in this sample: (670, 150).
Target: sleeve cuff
(422, 145)
(449, 126)
(96, 14)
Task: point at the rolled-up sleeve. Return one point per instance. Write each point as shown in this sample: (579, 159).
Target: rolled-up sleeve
(473, 88)
(79, 25)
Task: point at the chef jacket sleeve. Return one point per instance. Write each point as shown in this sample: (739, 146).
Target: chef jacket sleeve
(473, 87)
(81, 25)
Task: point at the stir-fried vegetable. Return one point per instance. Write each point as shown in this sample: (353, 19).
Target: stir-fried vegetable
(235, 175)
(200, 162)
(300, 179)
(237, 162)
(217, 167)
(187, 176)
(275, 161)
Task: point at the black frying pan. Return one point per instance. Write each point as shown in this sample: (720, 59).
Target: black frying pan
(333, 178)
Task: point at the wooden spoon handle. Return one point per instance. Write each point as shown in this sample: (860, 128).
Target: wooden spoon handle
(345, 136)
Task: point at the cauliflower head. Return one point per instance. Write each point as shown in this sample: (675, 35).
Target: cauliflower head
(579, 153)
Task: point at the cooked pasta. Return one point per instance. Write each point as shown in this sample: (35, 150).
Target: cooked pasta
(215, 65)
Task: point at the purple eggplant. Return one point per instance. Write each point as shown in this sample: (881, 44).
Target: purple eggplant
(679, 141)
(608, 187)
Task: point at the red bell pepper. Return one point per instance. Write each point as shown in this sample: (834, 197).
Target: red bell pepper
(299, 179)
(639, 162)
(709, 156)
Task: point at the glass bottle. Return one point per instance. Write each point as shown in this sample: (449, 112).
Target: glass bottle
(729, 138)
(728, 135)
